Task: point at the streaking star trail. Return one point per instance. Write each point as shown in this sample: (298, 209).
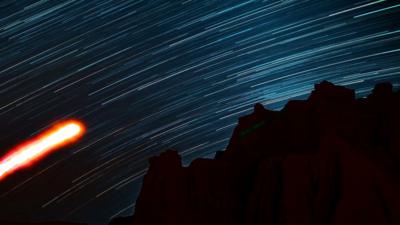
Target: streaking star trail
(147, 76)
(33, 150)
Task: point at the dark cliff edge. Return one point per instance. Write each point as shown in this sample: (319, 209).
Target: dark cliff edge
(330, 159)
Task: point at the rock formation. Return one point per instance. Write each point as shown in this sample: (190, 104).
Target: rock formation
(329, 160)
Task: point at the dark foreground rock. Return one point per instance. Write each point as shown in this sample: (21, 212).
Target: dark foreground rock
(331, 159)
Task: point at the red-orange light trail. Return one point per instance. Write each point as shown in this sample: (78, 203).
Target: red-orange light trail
(38, 147)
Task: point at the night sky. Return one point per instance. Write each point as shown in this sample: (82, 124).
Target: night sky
(145, 76)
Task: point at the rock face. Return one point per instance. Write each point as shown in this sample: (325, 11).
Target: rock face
(329, 160)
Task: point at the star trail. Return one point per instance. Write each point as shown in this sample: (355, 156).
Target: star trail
(146, 76)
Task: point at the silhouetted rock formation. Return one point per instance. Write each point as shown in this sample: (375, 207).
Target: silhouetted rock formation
(331, 159)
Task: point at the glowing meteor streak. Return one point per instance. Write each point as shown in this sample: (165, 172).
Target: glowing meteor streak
(33, 150)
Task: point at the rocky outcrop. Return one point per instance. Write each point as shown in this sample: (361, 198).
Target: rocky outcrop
(330, 159)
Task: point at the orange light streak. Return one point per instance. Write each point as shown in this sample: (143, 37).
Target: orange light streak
(33, 150)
